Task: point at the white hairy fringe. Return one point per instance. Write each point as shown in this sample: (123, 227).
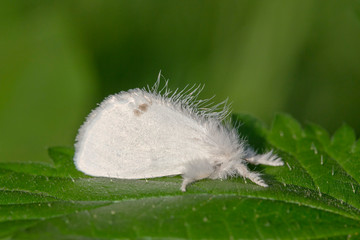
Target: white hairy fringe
(187, 100)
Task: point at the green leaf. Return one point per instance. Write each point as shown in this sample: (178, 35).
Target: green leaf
(61, 167)
(252, 129)
(346, 151)
(313, 196)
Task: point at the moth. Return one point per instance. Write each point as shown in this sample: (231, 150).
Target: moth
(152, 132)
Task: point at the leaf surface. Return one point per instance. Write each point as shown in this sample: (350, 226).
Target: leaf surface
(314, 195)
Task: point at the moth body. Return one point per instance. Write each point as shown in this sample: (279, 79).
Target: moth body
(149, 133)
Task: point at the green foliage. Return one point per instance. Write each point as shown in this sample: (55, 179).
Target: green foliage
(58, 59)
(314, 195)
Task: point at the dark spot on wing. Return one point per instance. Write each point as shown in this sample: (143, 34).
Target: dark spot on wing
(143, 107)
(137, 112)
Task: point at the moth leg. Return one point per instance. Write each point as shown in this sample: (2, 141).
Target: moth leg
(196, 170)
(253, 176)
(267, 159)
(186, 182)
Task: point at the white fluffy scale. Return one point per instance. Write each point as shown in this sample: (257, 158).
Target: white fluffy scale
(149, 133)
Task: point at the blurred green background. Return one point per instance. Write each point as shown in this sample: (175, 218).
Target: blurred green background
(58, 59)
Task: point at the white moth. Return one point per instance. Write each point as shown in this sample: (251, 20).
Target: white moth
(147, 133)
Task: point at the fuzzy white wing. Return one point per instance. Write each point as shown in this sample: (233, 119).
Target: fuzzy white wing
(131, 136)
